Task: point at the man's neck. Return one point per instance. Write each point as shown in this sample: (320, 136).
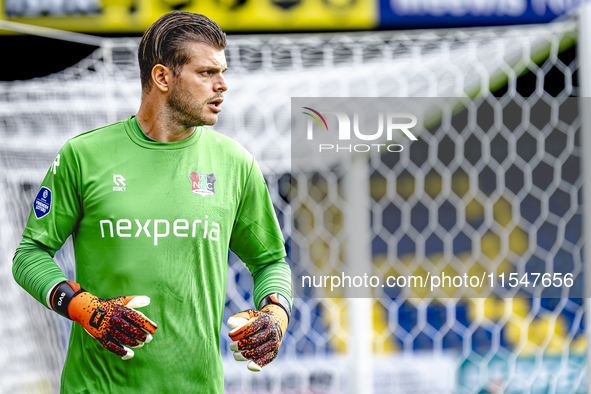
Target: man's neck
(159, 126)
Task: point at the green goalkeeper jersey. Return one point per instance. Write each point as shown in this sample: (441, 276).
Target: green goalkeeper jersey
(156, 219)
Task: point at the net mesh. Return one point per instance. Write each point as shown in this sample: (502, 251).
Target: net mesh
(451, 197)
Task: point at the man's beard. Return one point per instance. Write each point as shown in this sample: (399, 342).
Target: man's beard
(184, 109)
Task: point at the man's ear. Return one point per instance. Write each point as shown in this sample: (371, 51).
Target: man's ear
(161, 77)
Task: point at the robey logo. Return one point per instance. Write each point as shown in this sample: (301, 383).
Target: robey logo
(55, 164)
(395, 122)
(119, 182)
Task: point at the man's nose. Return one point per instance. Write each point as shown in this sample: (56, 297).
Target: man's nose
(221, 85)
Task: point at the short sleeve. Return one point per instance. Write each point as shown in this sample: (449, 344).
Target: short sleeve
(57, 206)
(256, 237)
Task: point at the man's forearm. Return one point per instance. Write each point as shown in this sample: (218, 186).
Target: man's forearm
(271, 278)
(35, 270)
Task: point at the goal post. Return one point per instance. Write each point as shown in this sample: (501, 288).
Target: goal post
(359, 262)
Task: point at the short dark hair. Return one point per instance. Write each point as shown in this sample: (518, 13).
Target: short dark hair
(165, 42)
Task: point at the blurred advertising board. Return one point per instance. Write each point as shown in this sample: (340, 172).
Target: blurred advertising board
(135, 16)
(405, 14)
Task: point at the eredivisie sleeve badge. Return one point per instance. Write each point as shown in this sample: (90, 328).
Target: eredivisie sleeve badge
(42, 203)
(202, 184)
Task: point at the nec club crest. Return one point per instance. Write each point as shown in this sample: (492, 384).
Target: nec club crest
(202, 184)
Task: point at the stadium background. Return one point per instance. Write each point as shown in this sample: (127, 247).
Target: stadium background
(59, 88)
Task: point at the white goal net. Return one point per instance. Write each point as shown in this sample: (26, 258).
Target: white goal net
(464, 193)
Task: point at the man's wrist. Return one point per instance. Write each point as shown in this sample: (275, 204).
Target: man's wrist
(61, 296)
(49, 293)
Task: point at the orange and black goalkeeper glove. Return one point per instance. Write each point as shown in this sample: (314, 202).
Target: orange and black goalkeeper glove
(257, 335)
(113, 322)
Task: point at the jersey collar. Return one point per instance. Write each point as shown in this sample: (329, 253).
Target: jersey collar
(138, 136)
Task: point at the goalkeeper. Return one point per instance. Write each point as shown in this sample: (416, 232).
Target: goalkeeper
(153, 204)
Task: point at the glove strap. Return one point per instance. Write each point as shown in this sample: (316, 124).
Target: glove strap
(277, 299)
(61, 296)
